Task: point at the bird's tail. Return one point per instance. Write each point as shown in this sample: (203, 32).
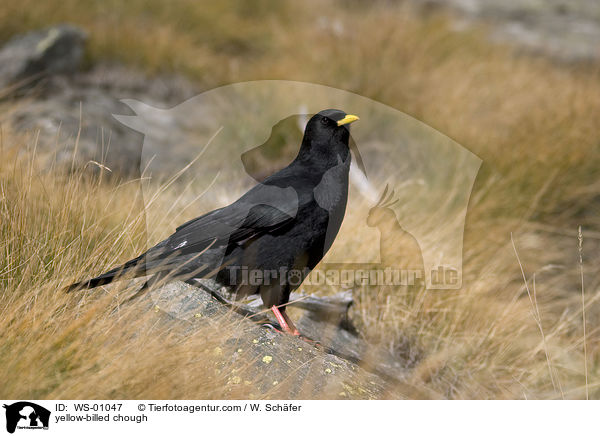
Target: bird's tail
(130, 269)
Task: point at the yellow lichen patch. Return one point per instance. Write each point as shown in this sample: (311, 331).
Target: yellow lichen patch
(255, 341)
(217, 351)
(349, 388)
(235, 380)
(267, 359)
(327, 371)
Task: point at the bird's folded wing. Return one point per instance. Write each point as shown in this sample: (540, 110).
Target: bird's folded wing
(263, 209)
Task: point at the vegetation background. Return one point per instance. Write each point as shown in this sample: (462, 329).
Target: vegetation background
(517, 328)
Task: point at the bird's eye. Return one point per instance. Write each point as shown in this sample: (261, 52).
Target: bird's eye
(325, 121)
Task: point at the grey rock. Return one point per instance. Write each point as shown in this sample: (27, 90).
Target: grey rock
(76, 112)
(565, 30)
(337, 350)
(68, 110)
(81, 123)
(327, 320)
(307, 370)
(28, 57)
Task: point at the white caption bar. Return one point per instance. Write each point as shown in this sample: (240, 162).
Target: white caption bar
(23, 417)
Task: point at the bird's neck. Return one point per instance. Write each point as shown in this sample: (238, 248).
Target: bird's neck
(322, 157)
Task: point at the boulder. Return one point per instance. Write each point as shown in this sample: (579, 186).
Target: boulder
(29, 57)
(307, 370)
(331, 359)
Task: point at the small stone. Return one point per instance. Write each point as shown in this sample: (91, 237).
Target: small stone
(275, 383)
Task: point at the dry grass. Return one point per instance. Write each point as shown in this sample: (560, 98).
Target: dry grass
(87, 345)
(506, 334)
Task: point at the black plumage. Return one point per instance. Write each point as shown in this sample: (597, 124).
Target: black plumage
(281, 228)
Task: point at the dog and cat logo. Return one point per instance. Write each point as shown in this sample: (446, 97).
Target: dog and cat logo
(26, 415)
(411, 229)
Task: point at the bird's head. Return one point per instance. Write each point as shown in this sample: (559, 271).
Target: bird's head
(327, 134)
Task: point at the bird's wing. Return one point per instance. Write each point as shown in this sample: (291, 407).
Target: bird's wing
(261, 210)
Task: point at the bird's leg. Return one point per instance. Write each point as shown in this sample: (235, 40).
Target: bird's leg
(285, 321)
(290, 324)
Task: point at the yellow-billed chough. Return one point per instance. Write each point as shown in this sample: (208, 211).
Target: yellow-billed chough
(271, 237)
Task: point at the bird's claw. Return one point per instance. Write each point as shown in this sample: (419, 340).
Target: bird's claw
(309, 341)
(270, 327)
(312, 342)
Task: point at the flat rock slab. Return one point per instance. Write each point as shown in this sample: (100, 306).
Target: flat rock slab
(299, 369)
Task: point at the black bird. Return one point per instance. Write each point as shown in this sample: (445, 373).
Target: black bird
(271, 237)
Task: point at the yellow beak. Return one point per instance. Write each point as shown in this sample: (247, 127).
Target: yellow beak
(347, 120)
